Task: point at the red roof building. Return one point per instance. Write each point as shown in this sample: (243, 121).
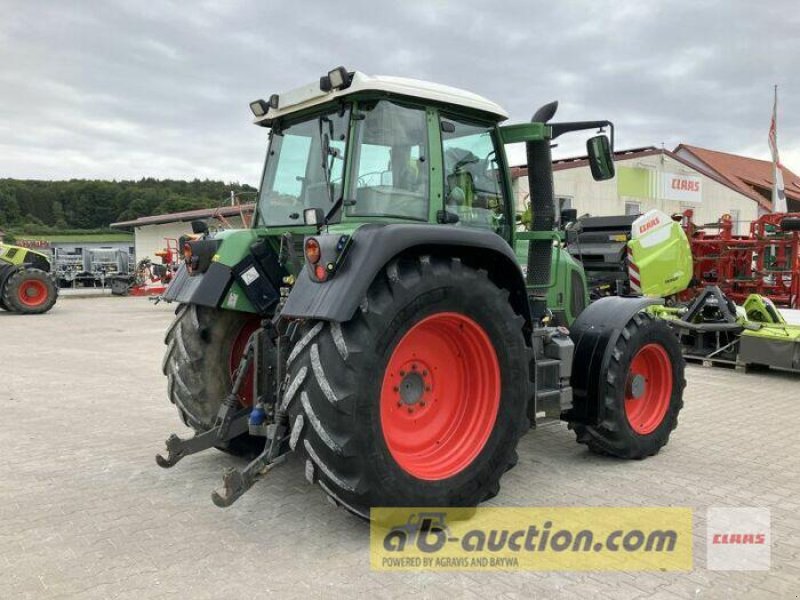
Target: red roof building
(751, 176)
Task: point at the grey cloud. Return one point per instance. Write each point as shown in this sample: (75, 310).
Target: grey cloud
(125, 90)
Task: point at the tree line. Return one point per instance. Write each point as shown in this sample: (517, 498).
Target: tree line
(32, 206)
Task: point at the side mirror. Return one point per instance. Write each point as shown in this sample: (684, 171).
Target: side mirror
(200, 227)
(601, 160)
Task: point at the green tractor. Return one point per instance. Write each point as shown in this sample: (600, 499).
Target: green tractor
(26, 285)
(381, 318)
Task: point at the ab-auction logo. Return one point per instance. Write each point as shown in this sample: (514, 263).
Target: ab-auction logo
(532, 538)
(428, 531)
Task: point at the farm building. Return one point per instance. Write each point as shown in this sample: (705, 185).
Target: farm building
(710, 183)
(151, 233)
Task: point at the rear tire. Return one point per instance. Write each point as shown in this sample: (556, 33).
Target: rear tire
(120, 287)
(200, 342)
(30, 291)
(643, 392)
(442, 433)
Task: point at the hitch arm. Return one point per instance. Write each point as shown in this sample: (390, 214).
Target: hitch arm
(235, 482)
(231, 419)
(178, 448)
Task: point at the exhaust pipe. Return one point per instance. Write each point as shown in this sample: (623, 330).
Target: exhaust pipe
(540, 185)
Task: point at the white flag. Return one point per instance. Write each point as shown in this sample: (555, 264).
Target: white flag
(778, 193)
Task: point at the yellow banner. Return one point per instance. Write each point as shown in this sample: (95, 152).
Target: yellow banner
(531, 539)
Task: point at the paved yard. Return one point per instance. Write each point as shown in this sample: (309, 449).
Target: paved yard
(84, 510)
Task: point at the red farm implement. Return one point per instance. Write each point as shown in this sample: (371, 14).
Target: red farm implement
(766, 261)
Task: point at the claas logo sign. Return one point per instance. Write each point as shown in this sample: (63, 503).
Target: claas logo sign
(649, 224)
(686, 185)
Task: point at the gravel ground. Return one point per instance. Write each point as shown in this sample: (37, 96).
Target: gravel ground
(85, 512)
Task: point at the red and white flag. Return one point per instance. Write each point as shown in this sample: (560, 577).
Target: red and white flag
(778, 193)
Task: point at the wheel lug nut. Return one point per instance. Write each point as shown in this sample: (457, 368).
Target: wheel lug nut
(422, 402)
(399, 404)
(427, 388)
(414, 367)
(410, 410)
(396, 389)
(402, 373)
(425, 373)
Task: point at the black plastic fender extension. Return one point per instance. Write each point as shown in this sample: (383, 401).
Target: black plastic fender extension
(373, 246)
(204, 289)
(259, 274)
(595, 333)
(6, 271)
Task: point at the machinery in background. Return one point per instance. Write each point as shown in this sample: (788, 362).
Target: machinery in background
(149, 278)
(714, 329)
(26, 285)
(91, 268)
(631, 255)
(702, 276)
(766, 261)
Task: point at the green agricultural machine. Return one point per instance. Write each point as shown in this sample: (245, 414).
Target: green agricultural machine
(26, 285)
(383, 318)
(713, 329)
(650, 255)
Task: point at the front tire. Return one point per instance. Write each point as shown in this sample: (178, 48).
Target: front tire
(204, 345)
(419, 399)
(30, 291)
(643, 392)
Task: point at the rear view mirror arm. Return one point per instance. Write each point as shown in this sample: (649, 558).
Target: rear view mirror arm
(557, 129)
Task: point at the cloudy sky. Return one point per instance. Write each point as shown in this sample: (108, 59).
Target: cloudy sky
(122, 89)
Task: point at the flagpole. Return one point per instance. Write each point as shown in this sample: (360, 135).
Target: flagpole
(778, 193)
(775, 206)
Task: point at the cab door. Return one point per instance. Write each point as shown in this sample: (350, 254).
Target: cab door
(474, 186)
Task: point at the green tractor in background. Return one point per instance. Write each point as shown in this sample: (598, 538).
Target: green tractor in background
(384, 319)
(26, 285)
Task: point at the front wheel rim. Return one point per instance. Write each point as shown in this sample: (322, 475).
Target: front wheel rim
(648, 388)
(440, 396)
(32, 293)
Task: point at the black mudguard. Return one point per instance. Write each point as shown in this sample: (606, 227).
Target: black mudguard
(595, 333)
(205, 289)
(373, 246)
(6, 271)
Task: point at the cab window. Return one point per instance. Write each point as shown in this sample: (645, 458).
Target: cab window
(472, 187)
(391, 175)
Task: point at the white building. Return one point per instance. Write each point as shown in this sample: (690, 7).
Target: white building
(650, 178)
(152, 233)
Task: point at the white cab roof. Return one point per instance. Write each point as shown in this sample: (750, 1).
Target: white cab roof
(310, 95)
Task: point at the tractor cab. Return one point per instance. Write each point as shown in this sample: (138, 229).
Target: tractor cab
(358, 149)
(384, 148)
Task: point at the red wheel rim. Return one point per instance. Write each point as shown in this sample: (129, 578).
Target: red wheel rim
(648, 388)
(32, 293)
(237, 349)
(440, 396)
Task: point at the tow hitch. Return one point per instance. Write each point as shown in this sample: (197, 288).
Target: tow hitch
(233, 420)
(236, 482)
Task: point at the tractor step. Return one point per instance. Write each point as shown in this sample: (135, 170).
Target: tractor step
(541, 363)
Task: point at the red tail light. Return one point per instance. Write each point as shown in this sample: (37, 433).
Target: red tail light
(313, 251)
